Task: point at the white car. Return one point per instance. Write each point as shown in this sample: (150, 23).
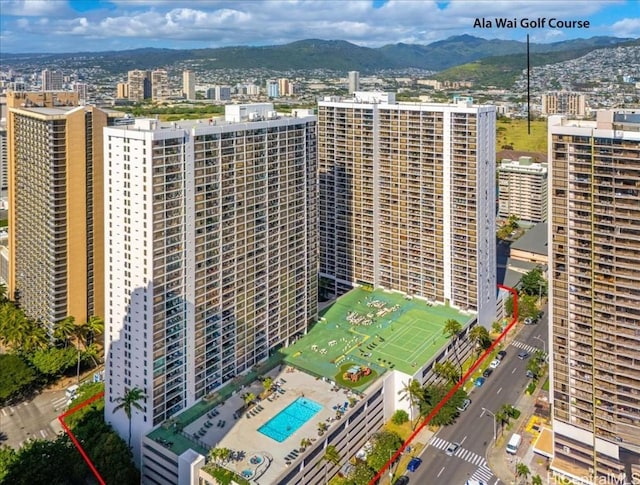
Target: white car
(494, 363)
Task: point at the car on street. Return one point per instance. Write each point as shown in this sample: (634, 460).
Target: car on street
(501, 355)
(530, 374)
(403, 480)
(487, 372)
(523, 355)
(452, 448)
(494, 363)
(414, 464)
(530, 321)
(479, 381)
(464, 405)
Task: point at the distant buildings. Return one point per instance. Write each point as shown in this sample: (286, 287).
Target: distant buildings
(56, 228)
(573, 104)
(219, 93)
(273, 89)
(189, 84)
(211, 240)
(407, 199)
(139, 85)
(354, 81)
(51, 80)
(594, 236)
(122, 91)
(522, 189)
(159, 85)
(285, 87)
(82, 89)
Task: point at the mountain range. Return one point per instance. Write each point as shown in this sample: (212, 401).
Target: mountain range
(334, 55)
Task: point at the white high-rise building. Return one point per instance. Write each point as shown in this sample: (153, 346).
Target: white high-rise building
(51, 80)
(189, 84)
(407, 199)
(211, 254)
(522, 189)
(354, 81)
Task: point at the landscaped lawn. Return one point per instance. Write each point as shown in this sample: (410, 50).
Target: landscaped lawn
(514, 133)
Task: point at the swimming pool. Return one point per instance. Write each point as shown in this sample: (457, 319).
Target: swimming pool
(290, 419)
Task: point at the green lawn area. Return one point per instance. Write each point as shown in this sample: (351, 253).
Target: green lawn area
(514, 133)
(403, 337)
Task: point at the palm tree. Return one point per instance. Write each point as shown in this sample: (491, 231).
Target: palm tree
(448, 370)
(322, 427)
(91, 352)
(248, 398)
(331, 455)
(480, 337)
(412, 391)
(536, 480)
(522, 471)
(267, 382)
(130, 400)
(64, 330)
(92, 328)
(451, 330)
(304, 443)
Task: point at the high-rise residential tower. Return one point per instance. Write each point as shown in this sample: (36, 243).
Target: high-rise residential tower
(51, 80)
(522, 189)
(189, 84)
(564, 102)
(139, 83)
(56, 197)
(273, 88)
(594, 273)
(211, 253)
(159, 85)
(354, 81)
(407, 199)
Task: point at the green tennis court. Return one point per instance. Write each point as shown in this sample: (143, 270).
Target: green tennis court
(378, 329)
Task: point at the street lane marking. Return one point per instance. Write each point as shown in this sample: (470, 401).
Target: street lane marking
(440, 472)
(43, 433)
(499, 390)
(463, 440)
(4, 411)
(514, 370)
(482, 413)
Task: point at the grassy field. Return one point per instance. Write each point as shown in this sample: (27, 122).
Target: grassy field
(514, 133)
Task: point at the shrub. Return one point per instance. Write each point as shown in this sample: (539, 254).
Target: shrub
(400, 417)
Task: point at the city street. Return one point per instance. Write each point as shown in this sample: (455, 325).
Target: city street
(475, 426)
(32, 419)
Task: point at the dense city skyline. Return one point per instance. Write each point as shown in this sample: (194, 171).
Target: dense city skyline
(80, 25)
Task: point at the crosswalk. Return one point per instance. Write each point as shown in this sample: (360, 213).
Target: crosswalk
(482, 474)
(521, 345)
(463, 454)
(59, 404)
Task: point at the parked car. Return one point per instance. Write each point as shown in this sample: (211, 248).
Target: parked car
(464, 405)
(523, 355)
(403, 480)
(452, 448)
(530, 321)
(479, 381)
(530, 374)
(501, 355)
(414, 464)
(487, 372)
(494, 363)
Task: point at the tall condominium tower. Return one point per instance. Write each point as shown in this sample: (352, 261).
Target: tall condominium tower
(56, 197)
(51, 80)
(211, 253)
(564, 102)
(159, 85)
(595, 296)
(189, 84)
(407, 199)
(139, 85)
(522, 189)
(273, 88)
(4, 158)
(354, 81)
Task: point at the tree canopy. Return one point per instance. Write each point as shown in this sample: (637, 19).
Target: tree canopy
(15, 376)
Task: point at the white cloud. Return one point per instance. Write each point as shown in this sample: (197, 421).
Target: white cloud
(627, 27)
(33, 8)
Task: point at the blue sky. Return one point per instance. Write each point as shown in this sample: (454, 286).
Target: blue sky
(99, 25)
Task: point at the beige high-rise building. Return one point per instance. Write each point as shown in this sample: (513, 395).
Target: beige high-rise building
(139, 85)
(594, 271)
(122, 91)
(407, 199)
(56, 199)
(522, 189)
(563, 102)
(354, 81)
(159, 85)
(189, 84)
(4, 158)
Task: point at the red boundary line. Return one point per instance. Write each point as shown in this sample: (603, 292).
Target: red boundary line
(452, 391)
(75, 441)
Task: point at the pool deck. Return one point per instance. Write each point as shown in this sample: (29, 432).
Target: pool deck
(242, 435)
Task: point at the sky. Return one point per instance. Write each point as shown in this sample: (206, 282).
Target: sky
(100, 25)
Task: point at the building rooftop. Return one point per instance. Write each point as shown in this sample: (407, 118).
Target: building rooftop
(375, 329)
(535, 240)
